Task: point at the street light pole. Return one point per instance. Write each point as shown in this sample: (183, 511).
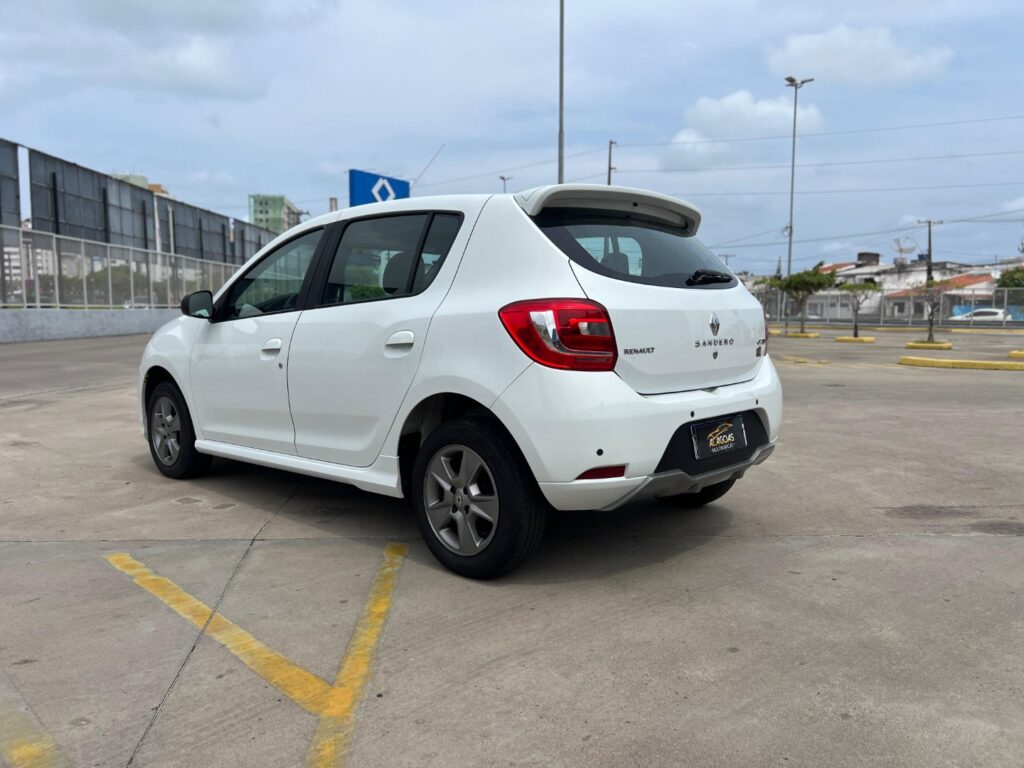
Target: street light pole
(610, 166)
(504, 182)
(796, 85)
(561, 91)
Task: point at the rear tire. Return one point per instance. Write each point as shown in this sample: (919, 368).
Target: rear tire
(172, 441)
(700, 498)
(478, 507)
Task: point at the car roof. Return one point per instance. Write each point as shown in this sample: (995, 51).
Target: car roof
(530, 200)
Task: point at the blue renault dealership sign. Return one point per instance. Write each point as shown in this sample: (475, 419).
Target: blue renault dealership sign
(366, 187)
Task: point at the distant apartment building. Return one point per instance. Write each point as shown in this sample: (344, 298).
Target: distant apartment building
(274, 212)
(139, 180)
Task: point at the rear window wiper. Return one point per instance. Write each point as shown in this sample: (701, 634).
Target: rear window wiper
(705, 276)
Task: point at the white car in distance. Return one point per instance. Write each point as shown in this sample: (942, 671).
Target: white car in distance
(488, 357)
(987, 315)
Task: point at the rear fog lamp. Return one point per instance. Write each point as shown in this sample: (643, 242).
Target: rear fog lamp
(604, 473)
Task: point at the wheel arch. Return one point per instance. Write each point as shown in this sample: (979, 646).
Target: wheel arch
(155, 375)
(427, 415)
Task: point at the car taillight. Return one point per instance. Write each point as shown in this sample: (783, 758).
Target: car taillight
(570, 334)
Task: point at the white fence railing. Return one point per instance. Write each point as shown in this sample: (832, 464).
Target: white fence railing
(39, 269)
(956, 308)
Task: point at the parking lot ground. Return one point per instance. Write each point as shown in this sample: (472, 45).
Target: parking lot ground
(888, 346)
(857, 600)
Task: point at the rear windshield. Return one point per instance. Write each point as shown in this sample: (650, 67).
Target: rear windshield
(635, 248)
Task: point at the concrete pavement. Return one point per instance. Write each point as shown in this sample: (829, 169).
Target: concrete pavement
(856, 600)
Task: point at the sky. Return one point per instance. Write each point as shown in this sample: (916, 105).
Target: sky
(916, 110)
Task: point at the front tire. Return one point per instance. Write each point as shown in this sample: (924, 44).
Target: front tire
(700, 498)
(476, 502)
(172, 441)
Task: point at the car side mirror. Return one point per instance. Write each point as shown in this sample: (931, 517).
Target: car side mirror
(198, 304)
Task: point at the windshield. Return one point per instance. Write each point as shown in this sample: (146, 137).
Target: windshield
(634, 248)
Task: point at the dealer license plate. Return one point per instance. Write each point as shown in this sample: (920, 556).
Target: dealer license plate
(723, 435)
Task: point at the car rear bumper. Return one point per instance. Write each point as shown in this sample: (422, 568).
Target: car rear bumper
(568, 422)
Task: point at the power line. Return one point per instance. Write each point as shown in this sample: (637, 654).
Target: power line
(830, 133)
(830, 237)
(538, 163)
(505, 170)
(778, 166)
(846, 191)
(746, 237)
(980, 218)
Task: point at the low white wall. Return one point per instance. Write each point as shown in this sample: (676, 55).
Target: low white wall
(47, 324)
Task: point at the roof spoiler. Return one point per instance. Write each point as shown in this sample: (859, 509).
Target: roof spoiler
(669, 209)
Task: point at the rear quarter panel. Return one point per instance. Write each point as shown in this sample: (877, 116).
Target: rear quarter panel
(468, 351)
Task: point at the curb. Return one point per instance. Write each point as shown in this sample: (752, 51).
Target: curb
(807, 335)
(992, 331)
(927, 345)
(856, 339)
(977, 365)
(1018, 353)
(900, 328)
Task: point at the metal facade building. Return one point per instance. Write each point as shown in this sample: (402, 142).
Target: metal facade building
(10, 202)
(72, 201)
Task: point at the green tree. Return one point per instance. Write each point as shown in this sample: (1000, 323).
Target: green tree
(1011, 278)
(800, 286)
(858, 293)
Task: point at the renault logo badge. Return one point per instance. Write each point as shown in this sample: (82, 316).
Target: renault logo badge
(715, 325)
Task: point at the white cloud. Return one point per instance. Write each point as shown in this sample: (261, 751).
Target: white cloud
(740, 115)
(1017, 204)
(868, 56)
(213, 178)
(836, 246)
(91, 51)
(736, 116)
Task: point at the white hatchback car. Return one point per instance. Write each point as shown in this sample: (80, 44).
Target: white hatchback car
(484, 355)
(987, 315)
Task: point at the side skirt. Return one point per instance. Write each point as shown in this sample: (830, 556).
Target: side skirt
(380, 477)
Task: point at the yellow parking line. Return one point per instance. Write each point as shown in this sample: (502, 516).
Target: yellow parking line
(23, 742)
(335, 704)
(333, 737)
(304, 688)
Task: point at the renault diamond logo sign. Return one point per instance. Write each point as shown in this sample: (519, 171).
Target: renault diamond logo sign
(715, 325)
(382, 191)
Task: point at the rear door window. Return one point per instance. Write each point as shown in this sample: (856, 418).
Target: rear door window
(444, 228)
(637, 249)
(389, 256)
(374, 259)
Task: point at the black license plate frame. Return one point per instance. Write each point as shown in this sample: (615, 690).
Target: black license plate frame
(719, 436)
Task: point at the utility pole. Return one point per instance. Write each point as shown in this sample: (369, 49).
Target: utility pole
(610, 166)
(725, 257)
(561, 91)
(796, 85)
(504, 183)
(929, 222)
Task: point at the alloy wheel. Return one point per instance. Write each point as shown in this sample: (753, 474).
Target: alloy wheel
(460, 500)
(165, 431)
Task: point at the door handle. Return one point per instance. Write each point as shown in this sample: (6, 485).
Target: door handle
(401, 339)
(271, 347)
